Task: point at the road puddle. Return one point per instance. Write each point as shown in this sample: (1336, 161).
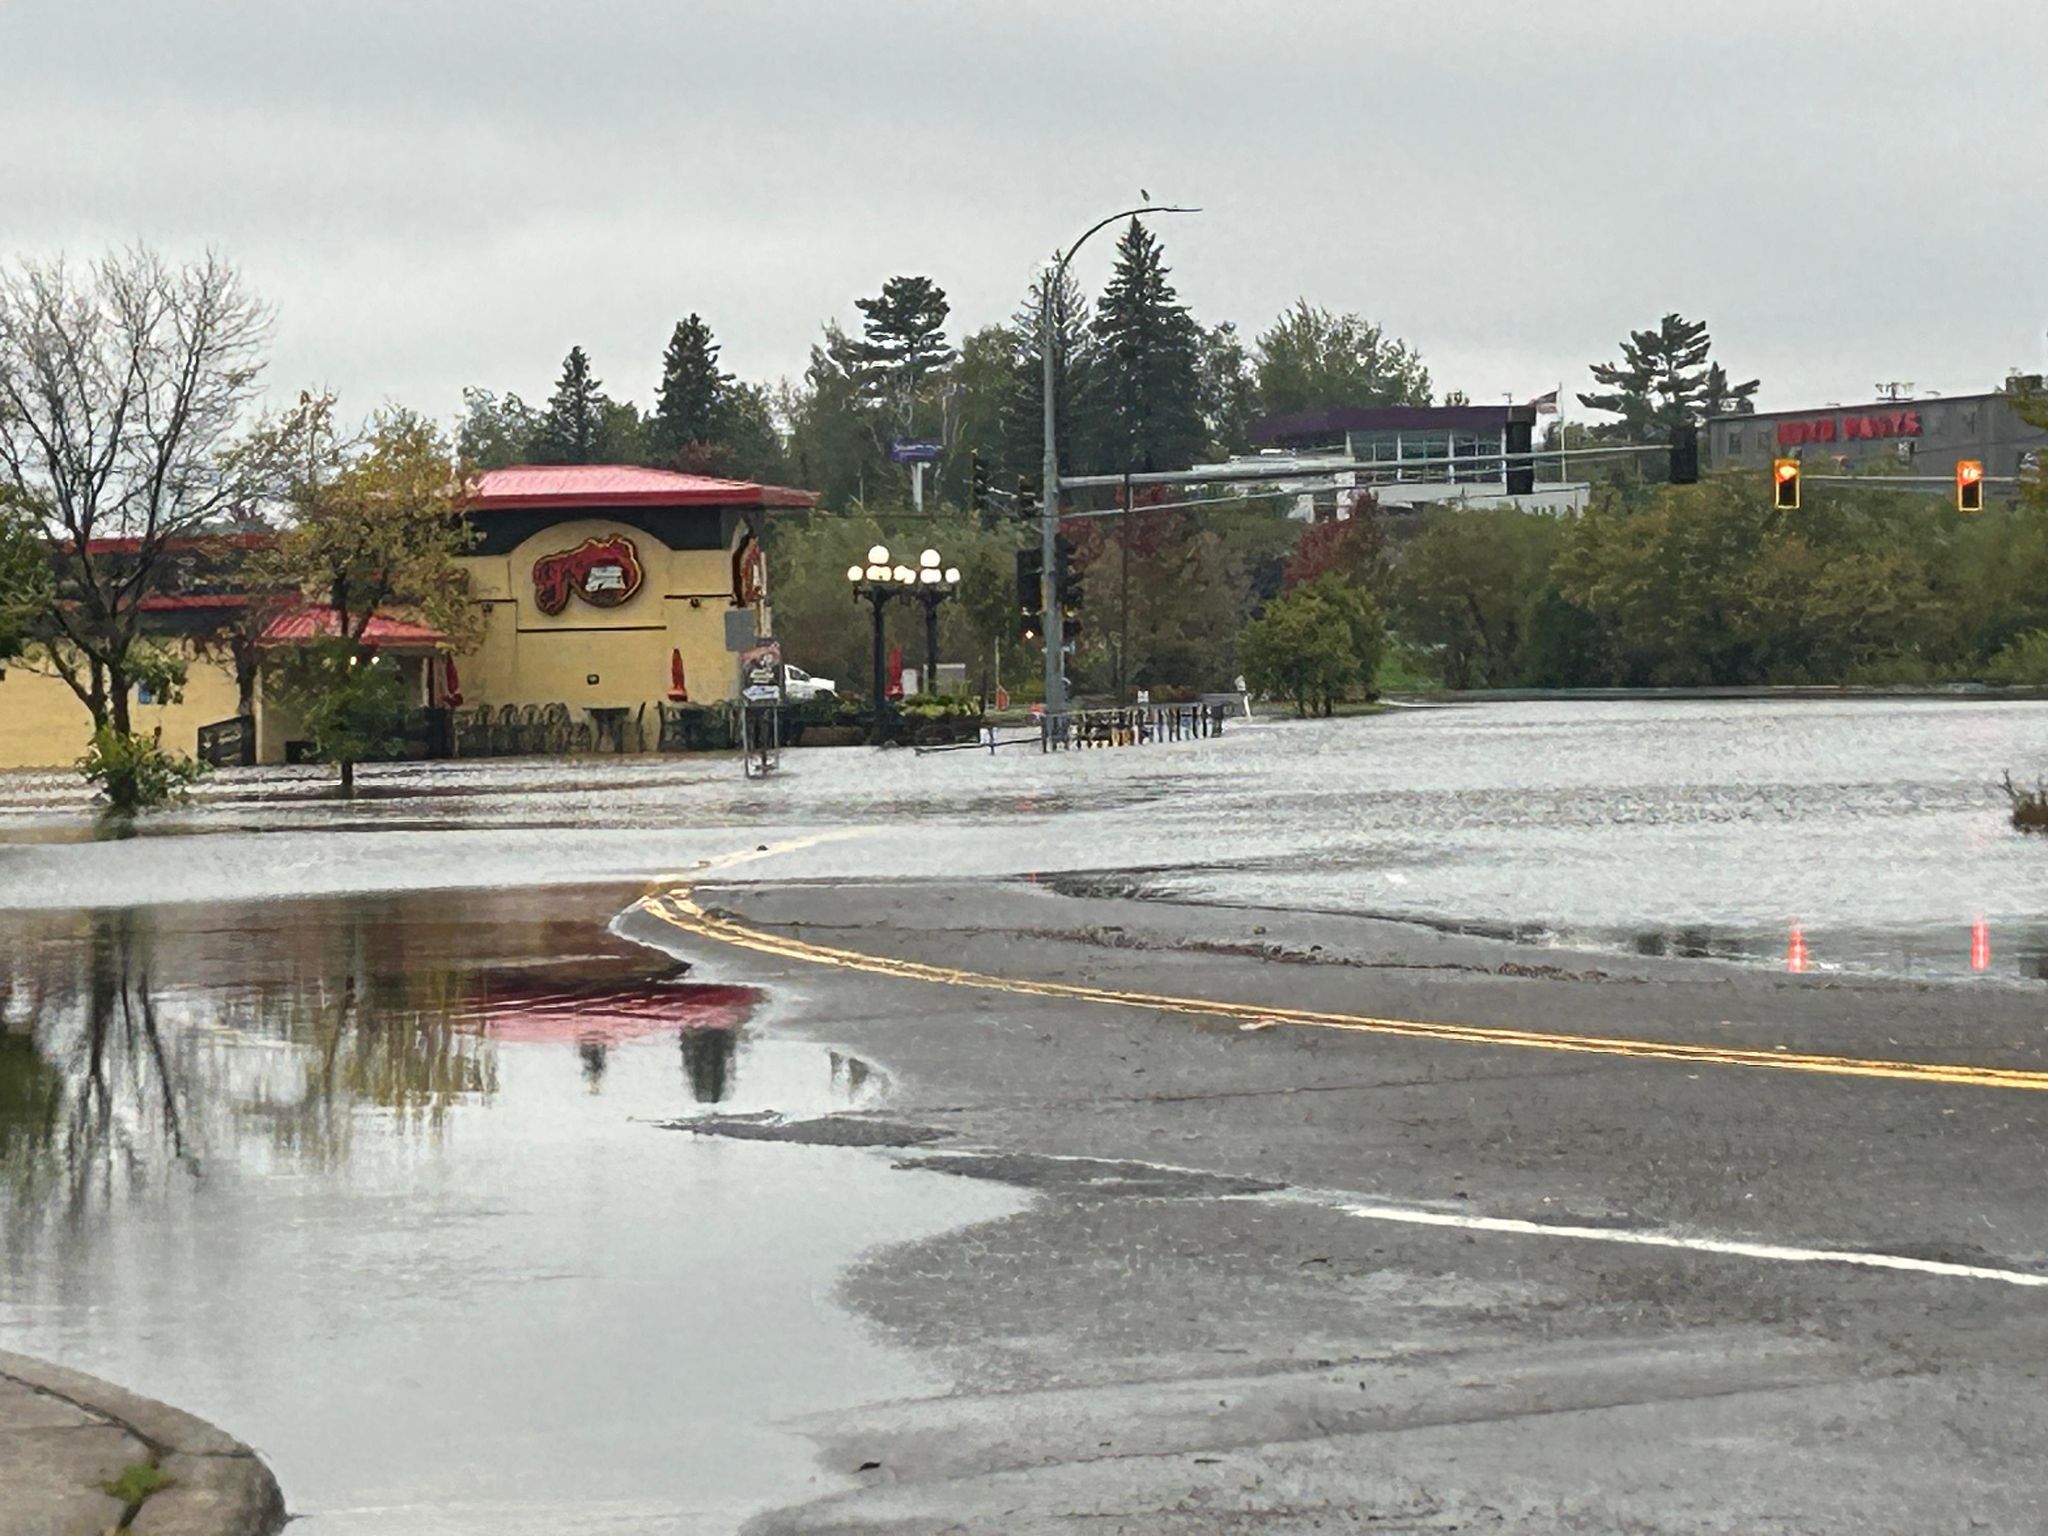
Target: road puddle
(377, 1183)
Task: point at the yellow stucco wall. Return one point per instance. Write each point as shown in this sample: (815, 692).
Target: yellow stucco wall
(43, 725)
(531, 657)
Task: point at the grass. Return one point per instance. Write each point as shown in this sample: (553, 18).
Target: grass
(2029, 806)
(138, 1480)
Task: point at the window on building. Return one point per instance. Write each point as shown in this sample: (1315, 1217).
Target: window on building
(1425, 445)
(1735, 448)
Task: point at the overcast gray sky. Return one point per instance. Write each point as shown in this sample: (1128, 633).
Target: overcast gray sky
(444, 192)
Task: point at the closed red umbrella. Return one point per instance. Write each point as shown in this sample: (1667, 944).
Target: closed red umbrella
(676, 690)
(451, 693)
(895, 688)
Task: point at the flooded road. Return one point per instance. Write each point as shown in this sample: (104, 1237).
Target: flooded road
(1691, 828)
(374, 1180)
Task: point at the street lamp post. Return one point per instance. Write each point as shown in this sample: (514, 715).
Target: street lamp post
(930, 583)
(1049, 483)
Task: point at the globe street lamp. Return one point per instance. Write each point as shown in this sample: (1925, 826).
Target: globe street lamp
(930, 582)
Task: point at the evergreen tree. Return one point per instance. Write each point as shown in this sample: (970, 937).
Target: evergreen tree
(571, 429)
(692, 403)
(1663, 382)
(903, 342)
(1229, 390)
(1144, 394)
(1024, 420)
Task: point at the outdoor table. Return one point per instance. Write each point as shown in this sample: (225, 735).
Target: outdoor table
(608, 720)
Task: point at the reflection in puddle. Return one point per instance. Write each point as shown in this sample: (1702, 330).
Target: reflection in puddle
(355, 1142)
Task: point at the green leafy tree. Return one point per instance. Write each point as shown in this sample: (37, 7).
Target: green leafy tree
(1314, 360)
(1301, 649)
(352, 703)
(25, 593)
(1464, 588)
(497, 431)
(981, 387)
(1229, 390)
(1663, 382)
(577, 417)
(834, 447)
(693, 402)
(1142, 407)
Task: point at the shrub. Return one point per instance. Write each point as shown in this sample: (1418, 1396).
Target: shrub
(135, 773)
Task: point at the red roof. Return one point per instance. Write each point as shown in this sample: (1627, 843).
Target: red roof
(622, 485)
(177, 602)
(316, 619)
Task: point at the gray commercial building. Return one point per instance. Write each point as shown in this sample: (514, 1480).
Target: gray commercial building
(1922, 437)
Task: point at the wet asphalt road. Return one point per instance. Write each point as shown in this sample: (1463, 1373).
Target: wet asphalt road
(1186, 1330)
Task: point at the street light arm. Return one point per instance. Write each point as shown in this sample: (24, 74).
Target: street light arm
(1060, 262)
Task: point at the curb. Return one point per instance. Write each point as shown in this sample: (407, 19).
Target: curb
(218, 1486)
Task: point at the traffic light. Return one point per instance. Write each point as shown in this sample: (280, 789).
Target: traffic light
(1030, 601)
(1785, 485)
(1685, 455)
(1969, 485)
(977, 487)
(1071, 591)
(1027, 498)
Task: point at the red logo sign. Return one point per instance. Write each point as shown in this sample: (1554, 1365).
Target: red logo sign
(1875, 424)
(603, 572)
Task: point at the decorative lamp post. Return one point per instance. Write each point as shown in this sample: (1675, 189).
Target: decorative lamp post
(930, 582)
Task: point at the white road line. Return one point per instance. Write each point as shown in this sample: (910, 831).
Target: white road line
(1776, 1252)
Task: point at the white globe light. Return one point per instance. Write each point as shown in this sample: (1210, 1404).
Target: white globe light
(953, 575)
(929, 558)
(853, 573)
(929, 576)
(878, 573)
(905, 574)
(879, 555)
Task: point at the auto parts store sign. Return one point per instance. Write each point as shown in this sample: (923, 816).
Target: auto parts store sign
(1871, 425)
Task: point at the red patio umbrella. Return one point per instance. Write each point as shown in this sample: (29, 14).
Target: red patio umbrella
(895, 688)
(451, 692)
(676, 690)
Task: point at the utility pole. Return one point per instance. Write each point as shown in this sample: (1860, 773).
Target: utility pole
(1049, 485)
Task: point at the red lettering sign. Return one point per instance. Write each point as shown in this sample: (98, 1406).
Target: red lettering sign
(1868, 427)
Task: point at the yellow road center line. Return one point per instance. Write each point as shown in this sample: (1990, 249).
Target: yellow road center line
(680, 912)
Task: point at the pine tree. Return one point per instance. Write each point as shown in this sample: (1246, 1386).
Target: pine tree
(1024, 418)
(1663, 382)
(903, 342)
(693, 402)
(573, 425)
(1144, 396)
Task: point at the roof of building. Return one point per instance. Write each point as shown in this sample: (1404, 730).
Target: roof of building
(317, 620)
(1916, 403)
(622, 485)
(1331, 424)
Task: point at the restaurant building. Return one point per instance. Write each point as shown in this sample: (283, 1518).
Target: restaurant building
(607, 593)
(1922, 437)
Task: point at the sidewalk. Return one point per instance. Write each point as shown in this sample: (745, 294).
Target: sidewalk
(66, 1438)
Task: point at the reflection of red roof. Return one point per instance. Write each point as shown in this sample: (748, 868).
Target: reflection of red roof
(176, 602)
(509, 1009)
(622, 485)
(316, 620)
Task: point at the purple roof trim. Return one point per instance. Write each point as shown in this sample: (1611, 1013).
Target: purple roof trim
(1329, 425)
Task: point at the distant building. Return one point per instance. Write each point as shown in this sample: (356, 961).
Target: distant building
(1921, 437)
(1472, 444)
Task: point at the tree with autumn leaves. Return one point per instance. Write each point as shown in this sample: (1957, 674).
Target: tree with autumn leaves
(375, 530)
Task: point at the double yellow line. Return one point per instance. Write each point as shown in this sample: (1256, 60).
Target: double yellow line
(677, 910)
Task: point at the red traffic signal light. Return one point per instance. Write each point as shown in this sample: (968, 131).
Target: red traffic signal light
(1785, 485)
(1969, 485)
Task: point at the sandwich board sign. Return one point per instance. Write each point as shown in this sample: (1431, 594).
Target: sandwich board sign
(761, 673)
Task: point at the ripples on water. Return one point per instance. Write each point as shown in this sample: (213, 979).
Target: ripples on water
(1702, 827)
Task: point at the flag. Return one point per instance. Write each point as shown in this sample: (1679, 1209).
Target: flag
(1545, 405)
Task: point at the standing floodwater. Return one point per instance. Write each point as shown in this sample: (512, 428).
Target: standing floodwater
(371, 1179)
